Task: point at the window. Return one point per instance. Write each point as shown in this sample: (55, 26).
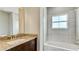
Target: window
(59, 22)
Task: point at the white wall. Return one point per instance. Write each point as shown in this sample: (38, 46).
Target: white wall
(4, 23)
(62, 35)
(32, 20)
(43, 27)
(77, 25)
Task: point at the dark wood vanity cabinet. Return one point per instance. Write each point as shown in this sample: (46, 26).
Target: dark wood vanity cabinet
(28, 46)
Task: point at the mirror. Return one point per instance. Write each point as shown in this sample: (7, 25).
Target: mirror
(9, 21)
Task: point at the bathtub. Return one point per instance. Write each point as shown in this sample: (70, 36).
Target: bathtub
(60, 46)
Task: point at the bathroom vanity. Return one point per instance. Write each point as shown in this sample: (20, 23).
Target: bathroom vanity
(27, 46)
(21, 42)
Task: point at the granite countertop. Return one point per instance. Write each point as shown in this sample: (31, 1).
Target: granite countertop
(8, 44)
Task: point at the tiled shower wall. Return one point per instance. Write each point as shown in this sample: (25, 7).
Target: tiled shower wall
(61, 35)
